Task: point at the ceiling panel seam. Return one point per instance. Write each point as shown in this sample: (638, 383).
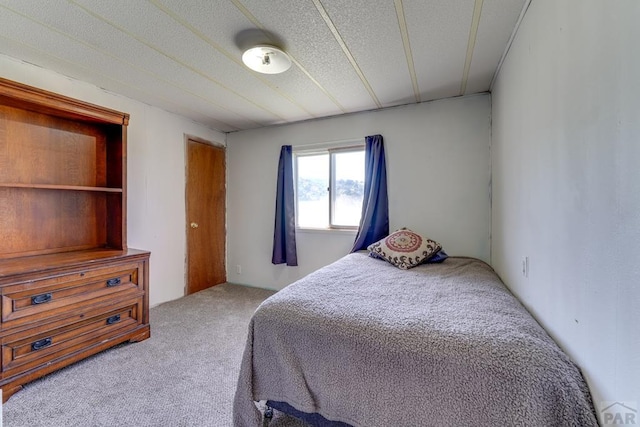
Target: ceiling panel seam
(404, 32)
(226, 53)
(473, 32)
(242, 8)
(110, 55)
(110, 77)
(525, 7)
(345, 49)
(318, 84)
(171, 57)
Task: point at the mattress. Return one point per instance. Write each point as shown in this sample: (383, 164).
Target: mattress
(364, 343)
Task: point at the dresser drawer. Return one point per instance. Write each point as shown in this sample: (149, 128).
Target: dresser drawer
(25, 350)
(40, 299)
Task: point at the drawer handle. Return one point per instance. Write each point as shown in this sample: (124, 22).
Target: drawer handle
(37, 345)
(113, 319)
(113, 282)
(41, 299)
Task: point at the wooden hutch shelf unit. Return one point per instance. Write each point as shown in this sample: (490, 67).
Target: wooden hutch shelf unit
(69, 286)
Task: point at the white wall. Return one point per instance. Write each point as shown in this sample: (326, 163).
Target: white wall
(156, 172)
(438, 173)
(566, 183)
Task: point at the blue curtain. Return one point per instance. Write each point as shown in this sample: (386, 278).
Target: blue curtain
(374, 222)
(284, 235)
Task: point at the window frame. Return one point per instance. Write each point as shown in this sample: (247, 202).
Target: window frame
(331, 151)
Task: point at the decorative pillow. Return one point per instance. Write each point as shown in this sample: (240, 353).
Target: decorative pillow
(405, 249)
(436, 259)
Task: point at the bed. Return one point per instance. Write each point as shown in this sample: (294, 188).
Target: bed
(363, 343)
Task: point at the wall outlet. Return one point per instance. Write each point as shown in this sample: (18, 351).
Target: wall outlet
(525, 266)
(238, 269)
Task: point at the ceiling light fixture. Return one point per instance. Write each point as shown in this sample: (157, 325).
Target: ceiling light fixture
(266, 59)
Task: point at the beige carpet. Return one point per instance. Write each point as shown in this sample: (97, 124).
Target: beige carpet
(184, 375)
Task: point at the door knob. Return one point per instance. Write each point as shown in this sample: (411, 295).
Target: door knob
(194, 225)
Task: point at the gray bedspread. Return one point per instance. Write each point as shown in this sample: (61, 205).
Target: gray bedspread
(365, 343)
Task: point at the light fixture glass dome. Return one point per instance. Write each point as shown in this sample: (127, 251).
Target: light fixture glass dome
(266, 59)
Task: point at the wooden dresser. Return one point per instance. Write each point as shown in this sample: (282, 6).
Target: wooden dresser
(69, 285)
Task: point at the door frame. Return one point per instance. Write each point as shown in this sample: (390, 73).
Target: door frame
(216, 144)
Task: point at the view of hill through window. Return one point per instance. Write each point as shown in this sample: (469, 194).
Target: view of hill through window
(314, 177)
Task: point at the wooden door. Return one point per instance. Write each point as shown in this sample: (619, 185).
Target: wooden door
(206, 236)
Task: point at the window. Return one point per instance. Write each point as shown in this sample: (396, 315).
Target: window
(329, 188)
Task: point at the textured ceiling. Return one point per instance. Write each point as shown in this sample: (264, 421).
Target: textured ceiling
(185, 55)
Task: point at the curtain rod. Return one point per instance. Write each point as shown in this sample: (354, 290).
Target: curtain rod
(338, 144)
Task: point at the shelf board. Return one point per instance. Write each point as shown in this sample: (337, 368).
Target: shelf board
(62, 187)
(36, 263)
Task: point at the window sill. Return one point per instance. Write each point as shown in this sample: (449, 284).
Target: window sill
(327, 230)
